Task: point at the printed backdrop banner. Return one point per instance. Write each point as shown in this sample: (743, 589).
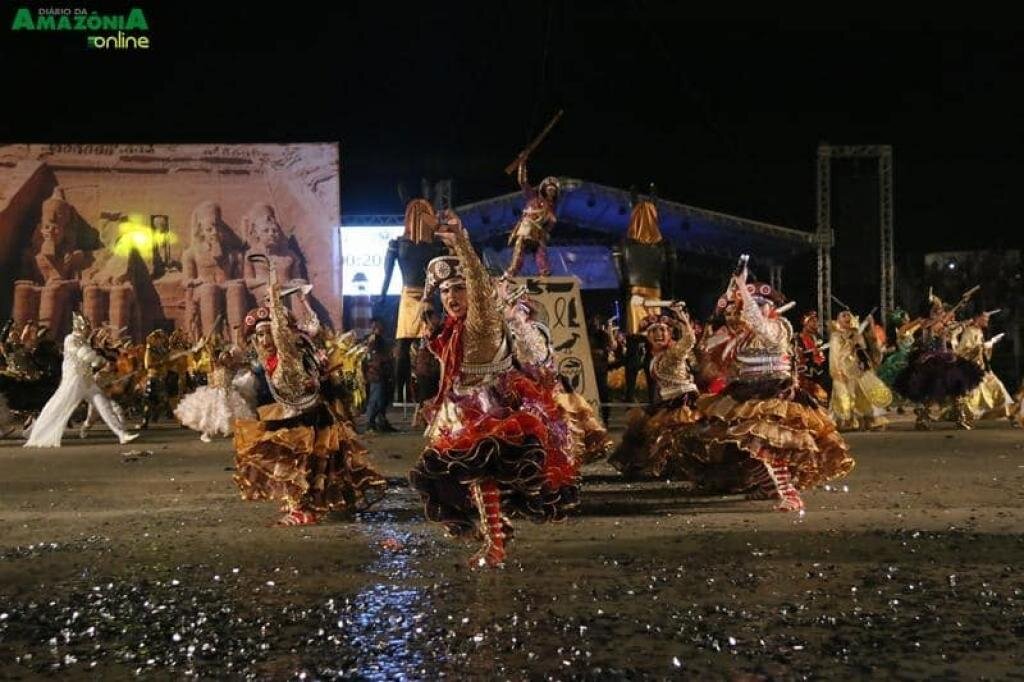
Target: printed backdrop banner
(140, 236)
(560, 307)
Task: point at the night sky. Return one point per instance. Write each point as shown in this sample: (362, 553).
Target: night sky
(723, 114)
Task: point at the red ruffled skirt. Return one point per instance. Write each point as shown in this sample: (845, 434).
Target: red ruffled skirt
(525, 445)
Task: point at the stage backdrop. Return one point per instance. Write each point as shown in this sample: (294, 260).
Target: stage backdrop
(145, 236)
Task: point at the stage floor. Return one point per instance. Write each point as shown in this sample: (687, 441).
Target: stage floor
(910, 567)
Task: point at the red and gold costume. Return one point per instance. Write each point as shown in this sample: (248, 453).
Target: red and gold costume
(716, 350)
(811, 362)
(302, 451)
(500, 440)
(533, 355)
(764, 434)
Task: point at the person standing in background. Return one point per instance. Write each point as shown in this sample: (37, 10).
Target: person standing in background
(379, 371)
(426, 368)
(605, 349)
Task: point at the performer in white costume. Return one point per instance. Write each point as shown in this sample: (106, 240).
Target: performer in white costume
(212, 409)
(77, 383)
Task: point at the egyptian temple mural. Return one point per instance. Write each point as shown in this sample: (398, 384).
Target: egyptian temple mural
(146, 236)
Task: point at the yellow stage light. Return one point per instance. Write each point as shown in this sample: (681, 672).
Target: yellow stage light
(135, 235)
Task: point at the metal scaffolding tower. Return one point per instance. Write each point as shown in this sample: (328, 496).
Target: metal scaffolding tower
(885, 213)
(826, 236)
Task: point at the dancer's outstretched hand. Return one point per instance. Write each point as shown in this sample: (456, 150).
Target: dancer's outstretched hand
(741, 278)
(449, 226)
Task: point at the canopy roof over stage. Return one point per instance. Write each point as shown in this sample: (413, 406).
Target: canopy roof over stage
(589, 212)
(588, 207)
(591, 218)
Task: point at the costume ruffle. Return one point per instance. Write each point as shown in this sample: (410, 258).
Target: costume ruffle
(589, 437)
(317, 466)
(863, 396)
(212, 410)
(526, 446)
(937, 376)
(816, 390)
(772, 420)
(657, 439)
(892, 365)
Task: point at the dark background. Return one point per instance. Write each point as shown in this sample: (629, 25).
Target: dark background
(722, 113)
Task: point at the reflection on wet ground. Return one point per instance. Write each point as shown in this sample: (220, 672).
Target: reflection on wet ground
(912, 571)
(387, 630)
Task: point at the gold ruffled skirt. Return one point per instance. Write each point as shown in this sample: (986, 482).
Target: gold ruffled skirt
(657, 442)
(778, 424)
(315, 468)
(589, 437)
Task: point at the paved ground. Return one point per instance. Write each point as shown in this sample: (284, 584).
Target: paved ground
(910, 568)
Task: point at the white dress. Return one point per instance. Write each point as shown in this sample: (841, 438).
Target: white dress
(213, 409)
(76, 384)
(245, 383)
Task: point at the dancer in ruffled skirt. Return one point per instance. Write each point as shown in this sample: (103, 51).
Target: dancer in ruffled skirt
(934, 374)
(500, 443)
(212, 409)
(763, 434)
(302, 450)
(656, 439)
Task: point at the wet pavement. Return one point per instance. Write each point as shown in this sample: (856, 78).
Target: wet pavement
(151, 566)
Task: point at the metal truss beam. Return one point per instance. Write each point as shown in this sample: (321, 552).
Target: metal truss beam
(887, 283)
(824, 234)
(373, 220)
(888, 250)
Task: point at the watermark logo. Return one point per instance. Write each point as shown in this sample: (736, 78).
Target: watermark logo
(102, 31)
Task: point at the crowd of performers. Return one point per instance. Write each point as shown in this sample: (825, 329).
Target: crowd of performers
(97, 373)
(740, 404)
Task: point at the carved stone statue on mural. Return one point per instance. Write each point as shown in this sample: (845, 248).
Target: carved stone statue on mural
(58, 258)
(212, 266)
(266, 237)
(59, 253)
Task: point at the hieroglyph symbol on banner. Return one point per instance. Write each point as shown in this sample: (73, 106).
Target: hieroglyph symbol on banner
(572, 369)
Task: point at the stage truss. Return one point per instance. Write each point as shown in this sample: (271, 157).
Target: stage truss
(826, 236)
